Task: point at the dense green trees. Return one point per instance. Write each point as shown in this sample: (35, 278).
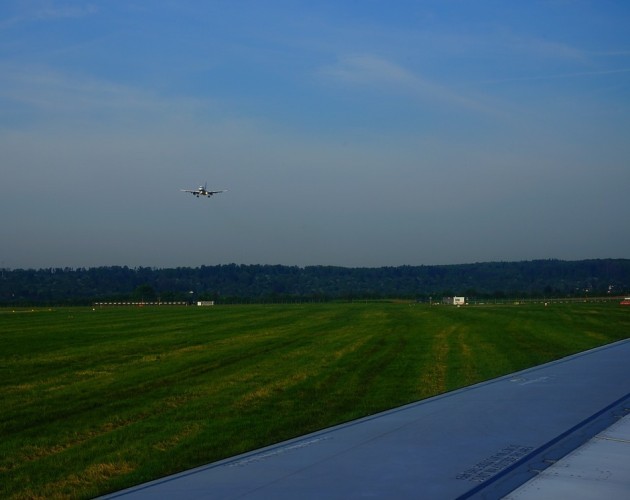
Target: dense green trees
(233, 282)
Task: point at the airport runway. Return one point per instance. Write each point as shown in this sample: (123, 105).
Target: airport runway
(483, 441)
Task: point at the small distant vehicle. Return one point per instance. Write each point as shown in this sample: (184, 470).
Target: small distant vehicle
(203, 191)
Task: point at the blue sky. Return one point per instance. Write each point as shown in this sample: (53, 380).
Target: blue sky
(363, 133)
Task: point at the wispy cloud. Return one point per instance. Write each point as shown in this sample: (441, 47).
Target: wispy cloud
(368, 70)
(49, 89)
(373, 71)
(546, 49)
(610, 53)
(558, 76)
(49, 92)
(48, 10)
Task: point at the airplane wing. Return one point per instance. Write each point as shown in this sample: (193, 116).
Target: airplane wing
(202, 191)
(517, 426)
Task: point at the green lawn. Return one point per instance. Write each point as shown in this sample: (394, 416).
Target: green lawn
(98, 400)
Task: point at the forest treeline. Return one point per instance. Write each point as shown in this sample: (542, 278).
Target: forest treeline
(260, 283)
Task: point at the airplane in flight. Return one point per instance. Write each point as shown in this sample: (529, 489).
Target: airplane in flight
(202, 191)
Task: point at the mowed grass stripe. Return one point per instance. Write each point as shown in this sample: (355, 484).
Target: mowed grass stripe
(94, 401)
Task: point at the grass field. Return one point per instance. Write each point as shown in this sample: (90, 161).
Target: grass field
(97, 400)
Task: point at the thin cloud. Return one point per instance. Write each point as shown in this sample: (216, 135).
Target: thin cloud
(48, 11)
(613, 53)
(548, 49)
(368, 70)
(579, 74)
(63, 12)
(49, 91)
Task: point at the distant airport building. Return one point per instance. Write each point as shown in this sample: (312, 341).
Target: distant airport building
(454, 301)
(205, 302)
